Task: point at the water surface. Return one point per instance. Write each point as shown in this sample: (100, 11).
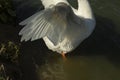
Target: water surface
(97, 58)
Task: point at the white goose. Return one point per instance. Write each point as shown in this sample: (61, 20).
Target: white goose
(61, 26)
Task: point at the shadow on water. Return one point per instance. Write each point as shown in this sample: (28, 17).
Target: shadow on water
(95, 59)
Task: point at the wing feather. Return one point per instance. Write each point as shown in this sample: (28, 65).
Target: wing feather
(33, 17)
(29, 30)
(48, 23)
(41, 24)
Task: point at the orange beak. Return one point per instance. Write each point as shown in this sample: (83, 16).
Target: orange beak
(63, 56)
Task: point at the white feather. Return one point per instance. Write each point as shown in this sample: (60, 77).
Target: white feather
(46, 23)
(62, 29)
(48, 3)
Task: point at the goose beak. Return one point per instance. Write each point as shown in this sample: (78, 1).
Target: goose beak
(63, 56)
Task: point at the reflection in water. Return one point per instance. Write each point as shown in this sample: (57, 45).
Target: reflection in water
(79, 68)
(52, 70)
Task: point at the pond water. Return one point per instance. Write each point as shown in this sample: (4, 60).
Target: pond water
(97, 58)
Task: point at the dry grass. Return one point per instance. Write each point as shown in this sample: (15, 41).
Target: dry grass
(3, 75)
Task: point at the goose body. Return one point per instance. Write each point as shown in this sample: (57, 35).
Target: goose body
(61, 26)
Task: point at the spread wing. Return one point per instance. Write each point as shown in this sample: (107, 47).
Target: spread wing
(44, 23)
(48, 22)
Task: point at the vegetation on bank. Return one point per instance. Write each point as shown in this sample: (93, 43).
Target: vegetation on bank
(9, 50)
(9, 54)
